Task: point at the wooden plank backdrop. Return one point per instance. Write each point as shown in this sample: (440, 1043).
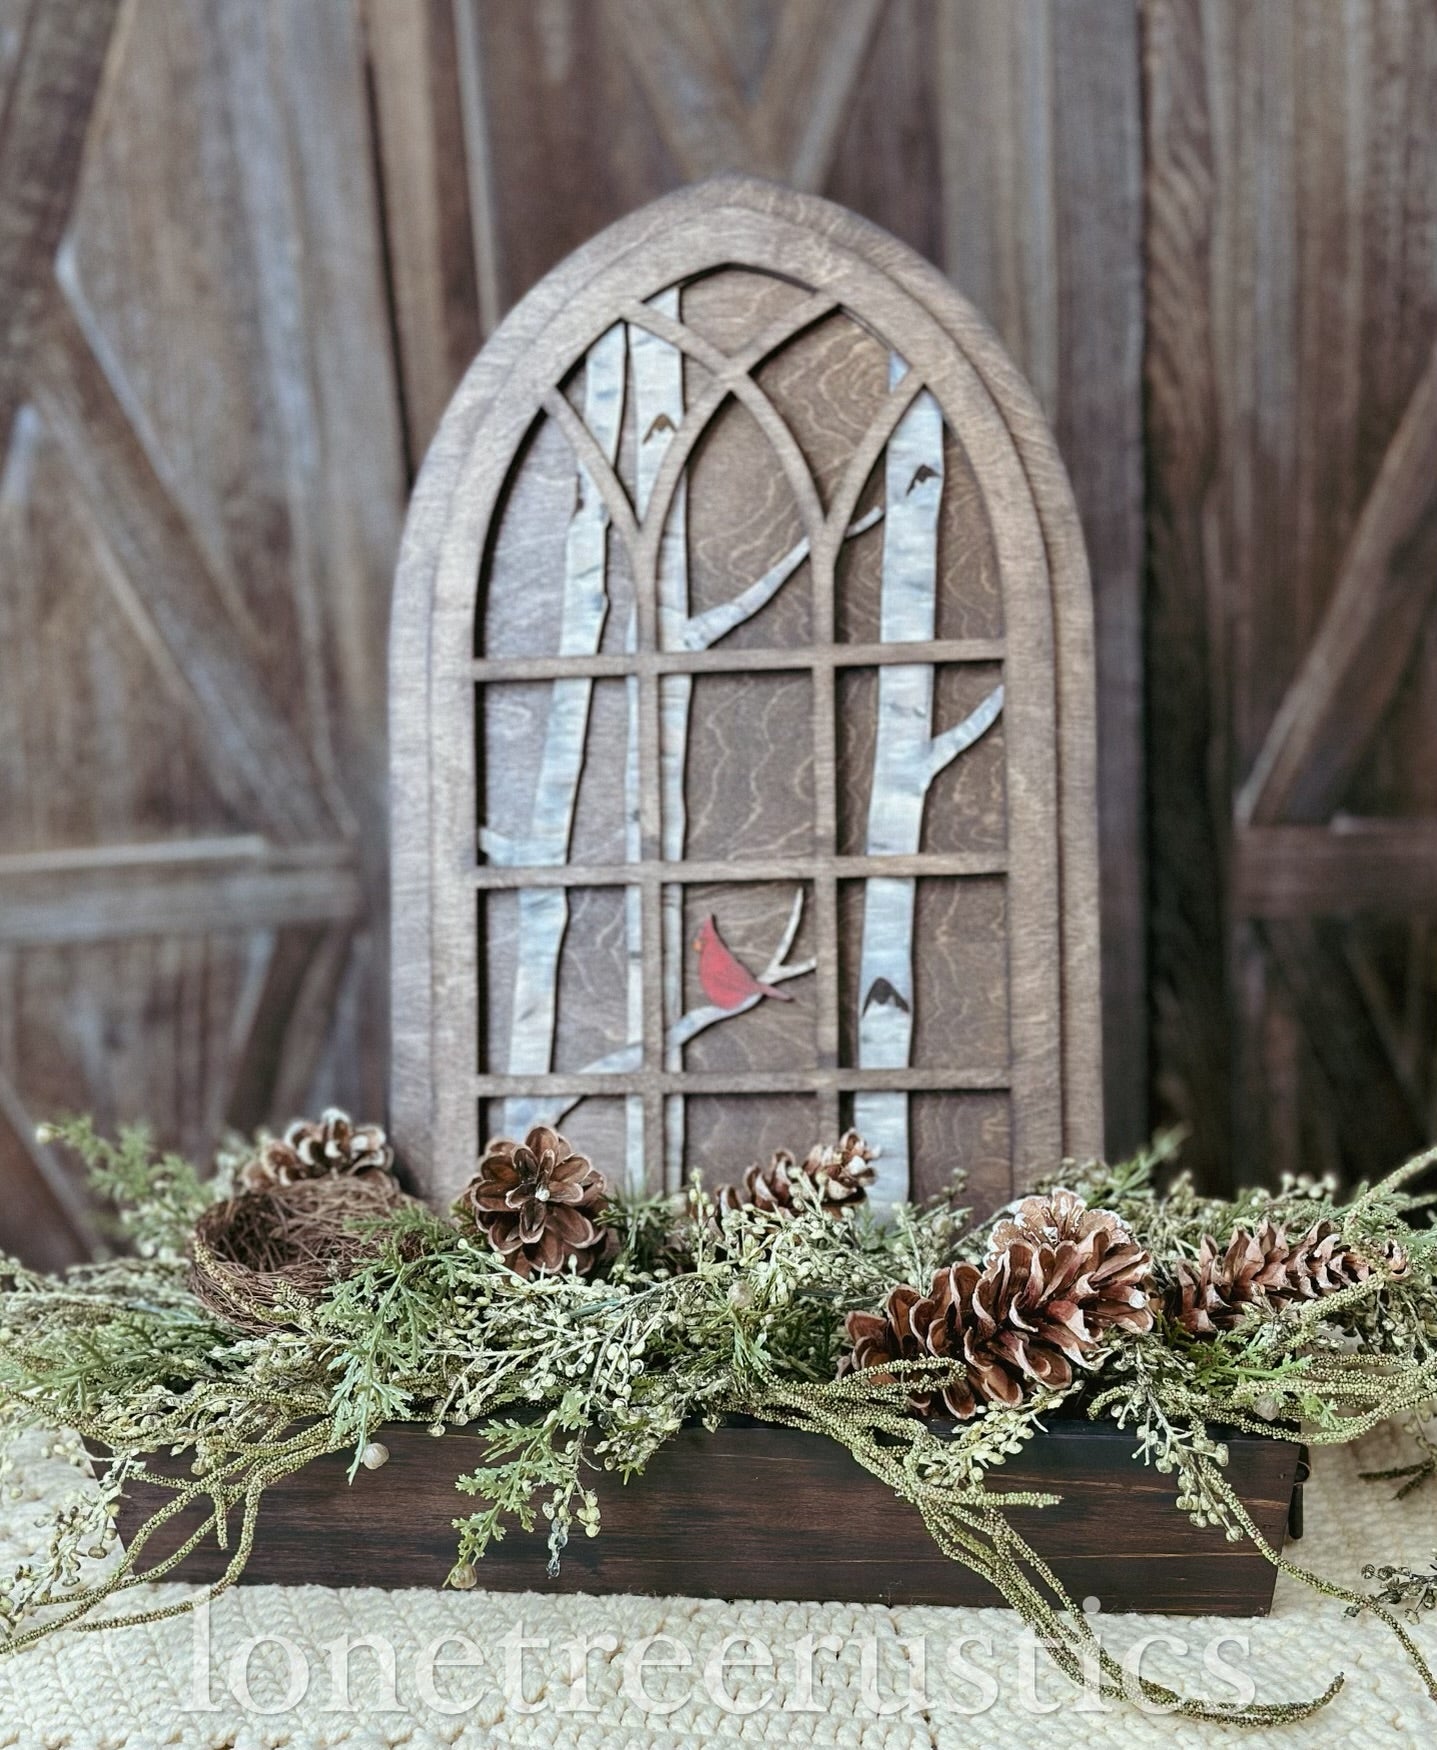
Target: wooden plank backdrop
(245, 254)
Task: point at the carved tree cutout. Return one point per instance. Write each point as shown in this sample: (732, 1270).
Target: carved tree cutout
(757, 403)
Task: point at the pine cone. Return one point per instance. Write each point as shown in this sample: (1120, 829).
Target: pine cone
(1267, 1269)
(840, 1173)
(536, 1201)
(841, 1170)
(1052, 1216)
(311, 1148)
(1028, 1318)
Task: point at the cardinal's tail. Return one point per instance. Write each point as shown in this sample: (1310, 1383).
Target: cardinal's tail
(779, 996)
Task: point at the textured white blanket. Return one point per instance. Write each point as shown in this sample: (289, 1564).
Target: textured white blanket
(593, 1676)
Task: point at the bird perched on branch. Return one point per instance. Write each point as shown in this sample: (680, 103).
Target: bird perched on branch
(726, 981)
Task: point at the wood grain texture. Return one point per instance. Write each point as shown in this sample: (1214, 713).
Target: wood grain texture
(53, 72)
(200, 492)
(708, 1519)
(429, 238)
(761, 795)
(50, 69)
(1291, 157)
(1039, 119)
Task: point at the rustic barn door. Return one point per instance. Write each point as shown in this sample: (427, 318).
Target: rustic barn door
(1292, 441)
(200, 494)
(741, 723)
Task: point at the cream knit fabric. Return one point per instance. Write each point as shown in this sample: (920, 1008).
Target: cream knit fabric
(145, 1688)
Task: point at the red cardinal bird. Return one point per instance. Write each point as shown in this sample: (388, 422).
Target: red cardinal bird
(727, 982)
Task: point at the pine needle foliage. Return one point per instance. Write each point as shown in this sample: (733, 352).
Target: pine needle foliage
(701, 1313)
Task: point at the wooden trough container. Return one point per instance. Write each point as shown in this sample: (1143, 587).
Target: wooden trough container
(751, 1511)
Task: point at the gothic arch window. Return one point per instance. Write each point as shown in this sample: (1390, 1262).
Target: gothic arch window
(741, 704)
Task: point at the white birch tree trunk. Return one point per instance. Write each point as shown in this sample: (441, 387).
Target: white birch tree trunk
(544, 911)
(907, 757)
(658, 371)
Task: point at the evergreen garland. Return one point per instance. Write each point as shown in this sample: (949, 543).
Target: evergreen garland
(703, 1308)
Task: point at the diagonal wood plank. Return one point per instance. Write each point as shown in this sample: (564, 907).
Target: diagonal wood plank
(817, 56)
(1374, 1112)
(14, 21)
(42, 141)
(1383, 594)
(789, 132)
(256, 759)
(690, 85)
(289, 1029)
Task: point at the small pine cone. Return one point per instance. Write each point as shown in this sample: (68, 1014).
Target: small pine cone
(1027, 1319)
(840, 1172)
(1265, 1268)
(1212, 1293)
(310, 1148)
(537, 1201)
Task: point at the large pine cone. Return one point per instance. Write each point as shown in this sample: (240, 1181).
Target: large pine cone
(1265, 1268)
(536, 1201)
(310, 1148)
(1027, 1319)
(840, 1172)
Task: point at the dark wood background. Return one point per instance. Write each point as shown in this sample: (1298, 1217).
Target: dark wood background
(246, 250)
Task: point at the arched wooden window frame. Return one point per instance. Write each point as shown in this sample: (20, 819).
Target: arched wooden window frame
(1055, 1079)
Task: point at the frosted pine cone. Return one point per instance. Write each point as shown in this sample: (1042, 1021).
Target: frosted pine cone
(839, 1172)
(1052, 1216)
(1267, 1269)
(310, 1148)
(1032, 1315)
(537, 1201)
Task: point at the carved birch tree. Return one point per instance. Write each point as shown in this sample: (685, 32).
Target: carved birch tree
(908, 756)
(544, 911)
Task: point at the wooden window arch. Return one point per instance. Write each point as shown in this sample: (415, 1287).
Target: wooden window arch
(894, 698)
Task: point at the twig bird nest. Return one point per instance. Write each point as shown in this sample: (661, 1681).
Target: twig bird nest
(252, 1254)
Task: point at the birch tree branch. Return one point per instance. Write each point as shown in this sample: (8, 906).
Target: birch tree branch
(944, 749)
(543, 913)
(701, 631)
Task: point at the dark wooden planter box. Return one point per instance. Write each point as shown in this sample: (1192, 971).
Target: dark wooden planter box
(751, 1511)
